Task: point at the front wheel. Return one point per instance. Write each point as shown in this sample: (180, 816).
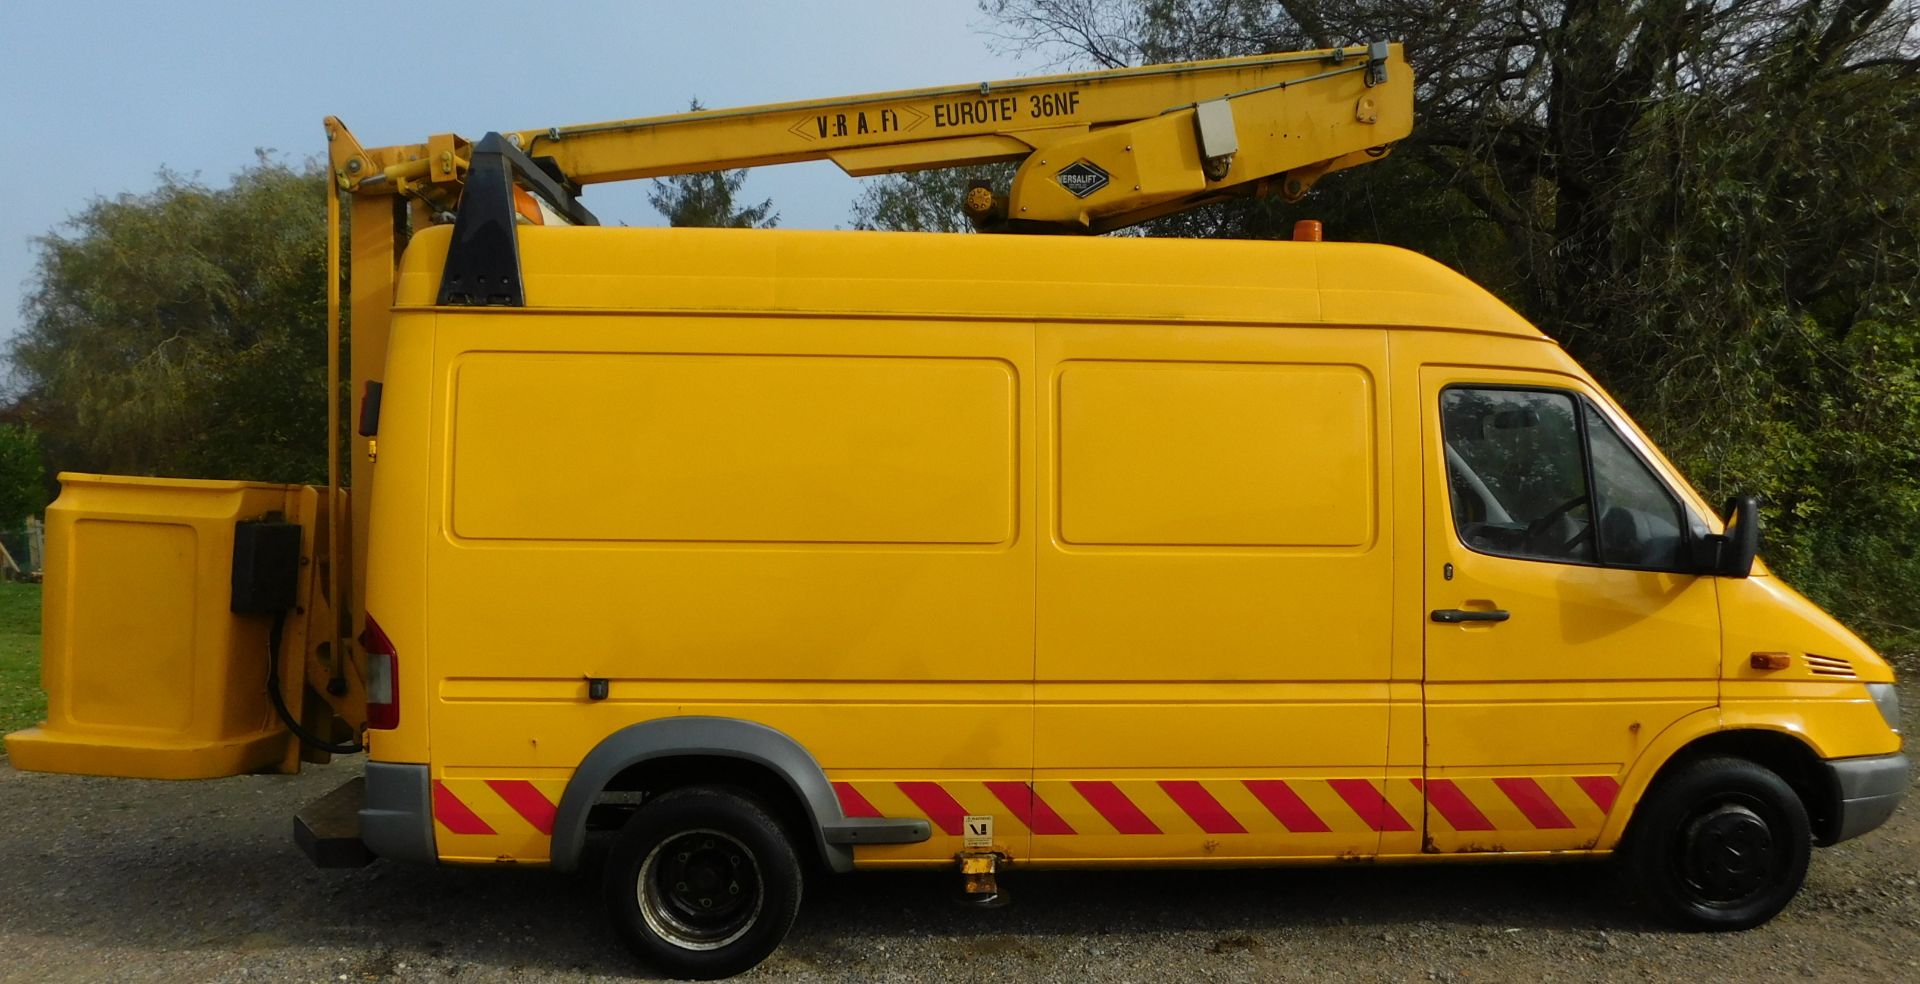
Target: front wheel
(703, 883)
(1722, 844)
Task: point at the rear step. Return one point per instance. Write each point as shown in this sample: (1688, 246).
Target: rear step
(328, 830)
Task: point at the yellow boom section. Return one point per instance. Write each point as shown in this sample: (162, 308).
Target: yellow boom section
(1100, 150)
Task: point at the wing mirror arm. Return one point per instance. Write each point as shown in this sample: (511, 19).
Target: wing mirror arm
(1731, 554)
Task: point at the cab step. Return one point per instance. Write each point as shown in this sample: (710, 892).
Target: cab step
(328, 829)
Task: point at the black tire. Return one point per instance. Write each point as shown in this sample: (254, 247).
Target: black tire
(702, 883)
(1721, 844)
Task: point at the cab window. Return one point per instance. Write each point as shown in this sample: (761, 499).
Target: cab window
(1540, 475)
(1640, 521)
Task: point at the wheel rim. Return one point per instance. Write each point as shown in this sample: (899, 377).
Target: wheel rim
(700, 890)
(1730, 852)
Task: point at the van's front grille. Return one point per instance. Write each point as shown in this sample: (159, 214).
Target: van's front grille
(1832, 666)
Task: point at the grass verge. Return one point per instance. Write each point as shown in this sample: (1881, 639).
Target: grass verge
(22, 703)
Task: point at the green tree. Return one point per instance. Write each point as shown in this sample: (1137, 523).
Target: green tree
(23, 475)
(709, 199)
(182, 332)
(924, 201)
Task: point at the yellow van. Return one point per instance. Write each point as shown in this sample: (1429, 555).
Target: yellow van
(773, 549)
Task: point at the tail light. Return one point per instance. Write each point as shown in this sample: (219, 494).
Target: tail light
(383, 677)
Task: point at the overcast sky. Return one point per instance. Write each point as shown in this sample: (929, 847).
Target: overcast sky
(96, 96)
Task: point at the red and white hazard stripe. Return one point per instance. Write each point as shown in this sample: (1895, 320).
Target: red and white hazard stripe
(1231, 807)
(502, 819)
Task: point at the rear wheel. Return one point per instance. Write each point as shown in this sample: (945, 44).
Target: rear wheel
(1722, 844)
(703, 883)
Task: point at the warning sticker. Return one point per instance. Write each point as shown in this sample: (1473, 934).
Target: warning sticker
(979, 832)
(1083, 178)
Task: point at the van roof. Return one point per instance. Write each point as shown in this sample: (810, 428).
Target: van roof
(998, 276)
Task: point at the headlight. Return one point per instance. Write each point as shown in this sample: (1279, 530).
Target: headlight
(1887, 699)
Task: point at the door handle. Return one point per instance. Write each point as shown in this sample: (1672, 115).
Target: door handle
(1470, 615)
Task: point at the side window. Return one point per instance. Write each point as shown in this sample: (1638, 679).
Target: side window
(1640, 522)
(1516, 474)
(1519, 463)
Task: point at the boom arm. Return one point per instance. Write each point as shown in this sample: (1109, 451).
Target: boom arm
(1098, 150)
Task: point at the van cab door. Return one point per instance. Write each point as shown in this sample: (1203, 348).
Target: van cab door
(1561, 634)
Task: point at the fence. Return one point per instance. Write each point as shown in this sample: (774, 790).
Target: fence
(21, 551)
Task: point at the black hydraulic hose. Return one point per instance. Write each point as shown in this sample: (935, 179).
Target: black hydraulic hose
(280, 703)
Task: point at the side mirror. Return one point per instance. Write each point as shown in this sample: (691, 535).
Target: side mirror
(1731, 554)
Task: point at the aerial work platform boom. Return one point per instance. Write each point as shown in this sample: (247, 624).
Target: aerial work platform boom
(1097, 150)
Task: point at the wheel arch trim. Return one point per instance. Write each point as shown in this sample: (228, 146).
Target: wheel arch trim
(1673, 741)
(748, 741)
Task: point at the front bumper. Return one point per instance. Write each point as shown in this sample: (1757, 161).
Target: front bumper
(1868, 789)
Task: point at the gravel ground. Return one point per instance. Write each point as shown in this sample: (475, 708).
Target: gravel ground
(106, 879)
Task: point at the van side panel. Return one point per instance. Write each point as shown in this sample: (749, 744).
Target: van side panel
(811, 524)
(1212, 664)
(748, 449)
